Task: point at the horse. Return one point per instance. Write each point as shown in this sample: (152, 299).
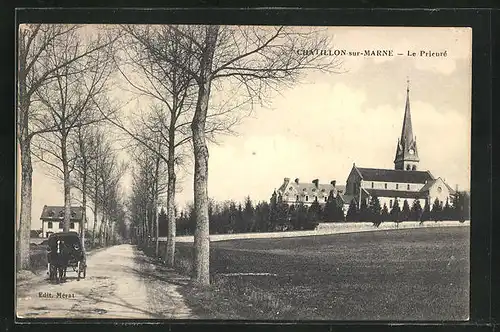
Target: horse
(58, 262)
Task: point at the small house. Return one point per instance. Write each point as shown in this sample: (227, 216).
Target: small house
(52, 219)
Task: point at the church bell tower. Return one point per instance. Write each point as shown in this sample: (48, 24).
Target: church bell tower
(406, 150)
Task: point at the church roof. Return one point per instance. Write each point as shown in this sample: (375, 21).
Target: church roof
(429, 184)
(57, 213)
(396, 193)
(407, 141)
(393, 175)
(407, 131)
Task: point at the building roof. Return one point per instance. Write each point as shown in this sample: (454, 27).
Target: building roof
(50, 213)
(392, 175)
(429, 184)
(346, 199)
(308, 187)
(396, 193)
(340, 188)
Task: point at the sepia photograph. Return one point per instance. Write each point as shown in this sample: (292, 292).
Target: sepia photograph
(243, 172)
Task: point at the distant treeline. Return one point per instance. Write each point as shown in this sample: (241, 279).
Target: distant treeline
(246, 217)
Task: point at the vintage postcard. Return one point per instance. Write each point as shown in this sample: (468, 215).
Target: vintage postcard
(243, 172)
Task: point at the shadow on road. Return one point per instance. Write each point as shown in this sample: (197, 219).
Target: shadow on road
(119, 302)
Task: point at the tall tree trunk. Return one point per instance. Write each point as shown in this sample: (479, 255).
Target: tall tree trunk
(95, 213)
(201, 235)
(23, 234)
(155, 204)
(171, 225)
(84, 207)
(101, 230)
(67, 185)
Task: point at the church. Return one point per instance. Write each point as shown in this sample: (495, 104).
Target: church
(404, 182)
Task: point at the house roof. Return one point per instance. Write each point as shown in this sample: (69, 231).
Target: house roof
(307, 187)
(429, 184)
(340, 188)
(392, 175)
(346, 199)
(396, 193)
(57, 213)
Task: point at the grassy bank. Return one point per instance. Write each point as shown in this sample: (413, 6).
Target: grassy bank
(390, 275)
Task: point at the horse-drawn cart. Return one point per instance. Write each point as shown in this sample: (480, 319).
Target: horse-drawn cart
(65, 250)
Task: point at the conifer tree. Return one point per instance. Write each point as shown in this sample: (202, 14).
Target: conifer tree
(313, 213)
(363, 211)
(352, 213)
(447, 213)
(330, 210)
(249, 215)
(375, 210)
(339, 212)
(396, 212)
(162, 223)
(301, 216)
(436, 210)
(293, 216)
(426, 213)
(273, 209)
(416, 210)
(405, 212)
(384, 215)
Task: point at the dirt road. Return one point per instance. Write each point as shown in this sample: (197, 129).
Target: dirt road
(121, 282)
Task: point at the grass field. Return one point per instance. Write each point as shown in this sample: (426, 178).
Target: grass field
(413, 274)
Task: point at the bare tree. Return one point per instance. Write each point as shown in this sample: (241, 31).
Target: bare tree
(69, 101)
(34, 42)
(145, 67)
(258, 61)
(85, 148)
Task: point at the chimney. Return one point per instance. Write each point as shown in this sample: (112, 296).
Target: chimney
(297, 180)
(286, 180)
(333, 183)
(316, 182)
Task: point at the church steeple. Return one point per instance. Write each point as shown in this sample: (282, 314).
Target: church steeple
(406, 151)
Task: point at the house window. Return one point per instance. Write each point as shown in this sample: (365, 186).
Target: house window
(49, 225)
(72, 225)
(51, 213)
(372, 184)
(385, 185)
(60, 225)
(390, 203)
(297, 197)
(397, 186)
(307, 198)
(326, 198)
(408, 187)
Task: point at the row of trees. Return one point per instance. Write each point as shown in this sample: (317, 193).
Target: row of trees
(232, 217)
(202, 80)
(63, 82)
(458, 209)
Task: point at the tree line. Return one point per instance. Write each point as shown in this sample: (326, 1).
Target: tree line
(246, 217)
(63, 83)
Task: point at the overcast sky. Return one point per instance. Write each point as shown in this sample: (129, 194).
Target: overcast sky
(319, 128)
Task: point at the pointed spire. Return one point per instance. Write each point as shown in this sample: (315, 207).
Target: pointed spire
(407, 132)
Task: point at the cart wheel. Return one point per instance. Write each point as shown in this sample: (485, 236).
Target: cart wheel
(52, 273)
(78, 272)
